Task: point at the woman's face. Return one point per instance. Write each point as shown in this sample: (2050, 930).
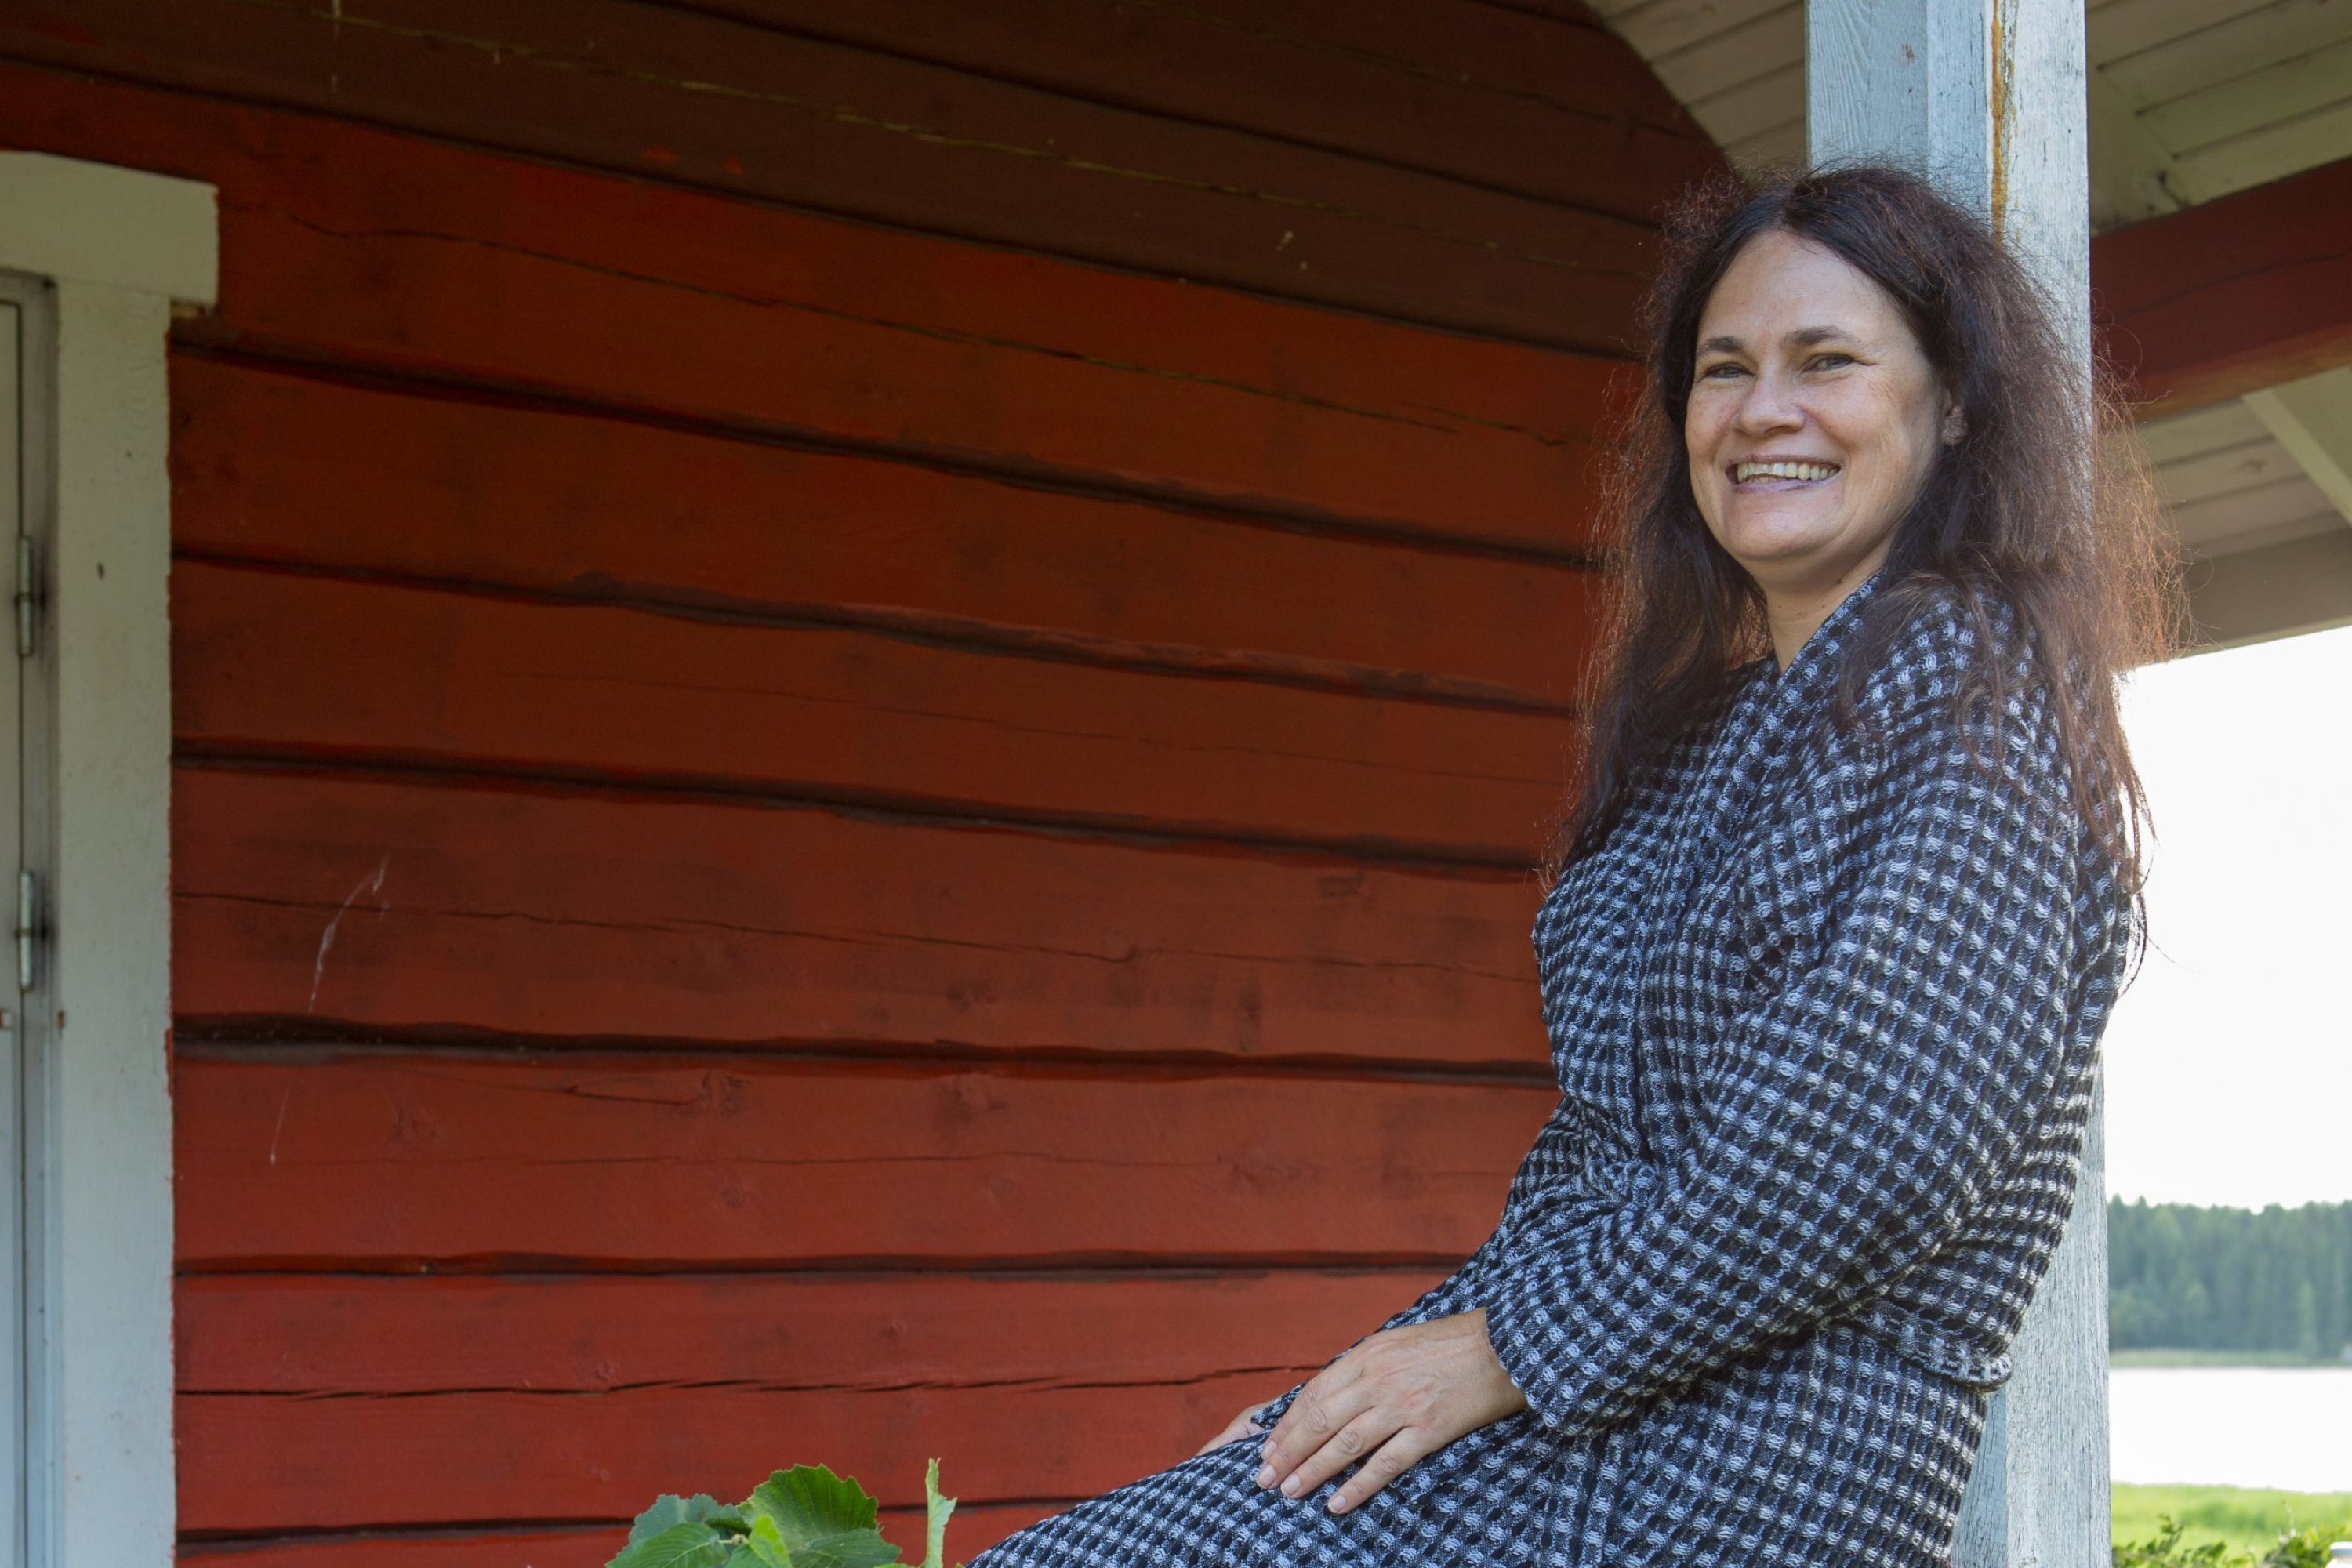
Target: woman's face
(1806, 366)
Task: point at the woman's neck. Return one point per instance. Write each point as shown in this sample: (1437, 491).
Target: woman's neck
(1794, 613)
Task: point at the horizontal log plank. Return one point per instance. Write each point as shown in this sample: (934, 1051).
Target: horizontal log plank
(778, 1362)
(1452, 87)
(289, 663)
(2245, 292)
(601, 507)
(330, 1335)
(389, 905)
(393, 1161)
(707, 102)
(971, 1528)
(553, 1546)
(367, 249)
(477, 1459)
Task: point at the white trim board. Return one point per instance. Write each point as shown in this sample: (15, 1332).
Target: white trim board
(116, 249)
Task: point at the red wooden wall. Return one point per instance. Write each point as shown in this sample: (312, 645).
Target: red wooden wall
(862, 693)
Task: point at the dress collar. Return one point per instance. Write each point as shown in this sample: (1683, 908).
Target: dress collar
(1819, 650)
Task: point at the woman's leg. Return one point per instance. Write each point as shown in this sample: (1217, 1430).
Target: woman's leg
(1482, 1501)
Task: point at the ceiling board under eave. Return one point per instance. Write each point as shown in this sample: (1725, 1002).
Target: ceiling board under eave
(2191, 99)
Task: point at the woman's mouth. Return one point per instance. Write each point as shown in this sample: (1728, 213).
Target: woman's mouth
(1781, 475)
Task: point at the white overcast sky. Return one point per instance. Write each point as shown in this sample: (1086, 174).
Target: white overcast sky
(2229, 1059)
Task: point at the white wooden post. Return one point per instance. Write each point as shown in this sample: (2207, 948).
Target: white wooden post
(1988, 97)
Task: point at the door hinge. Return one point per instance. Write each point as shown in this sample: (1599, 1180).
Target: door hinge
(28, 927)
(28, 599)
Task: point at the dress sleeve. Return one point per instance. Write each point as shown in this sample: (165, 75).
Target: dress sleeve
(1850, 1119)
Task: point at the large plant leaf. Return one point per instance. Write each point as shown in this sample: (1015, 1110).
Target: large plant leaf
(693, 1543)
(671, 1510)
(849, 1549)
(821, 1519)
(809, 1501)
(937, 1508)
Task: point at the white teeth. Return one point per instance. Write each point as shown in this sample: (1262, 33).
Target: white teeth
(1743, 472)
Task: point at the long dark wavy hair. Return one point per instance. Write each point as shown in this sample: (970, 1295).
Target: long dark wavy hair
(2045, 501)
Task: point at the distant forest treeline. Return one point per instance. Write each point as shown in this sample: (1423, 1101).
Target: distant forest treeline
(2185, 1277)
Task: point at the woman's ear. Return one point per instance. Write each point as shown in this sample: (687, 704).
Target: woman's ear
(1955, 423)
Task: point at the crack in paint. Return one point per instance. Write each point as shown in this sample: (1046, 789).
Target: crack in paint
(372, 885)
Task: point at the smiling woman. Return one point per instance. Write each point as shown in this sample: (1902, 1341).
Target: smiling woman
(1839, 919)
(1813, 420)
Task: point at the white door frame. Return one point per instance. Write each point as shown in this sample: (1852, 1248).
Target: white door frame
(115, 249)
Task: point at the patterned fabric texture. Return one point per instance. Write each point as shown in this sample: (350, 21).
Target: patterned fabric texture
(1824, 1012)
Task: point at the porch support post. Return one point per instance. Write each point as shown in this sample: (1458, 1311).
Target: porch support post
(1989, 99)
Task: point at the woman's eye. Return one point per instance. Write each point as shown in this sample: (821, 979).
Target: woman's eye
(1824, 362)
(1714, 370)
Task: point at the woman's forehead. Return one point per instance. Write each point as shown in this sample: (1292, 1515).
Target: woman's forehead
(1783, 291)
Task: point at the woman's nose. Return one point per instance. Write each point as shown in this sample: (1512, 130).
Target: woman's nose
(1770, 405)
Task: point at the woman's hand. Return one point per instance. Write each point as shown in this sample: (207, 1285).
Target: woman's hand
(1391, 1401)
(1241, 1425)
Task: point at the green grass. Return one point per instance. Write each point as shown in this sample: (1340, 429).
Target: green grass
(2249, 1520)
(2217, 1358)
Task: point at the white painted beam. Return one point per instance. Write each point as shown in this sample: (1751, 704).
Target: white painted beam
(1988, 97)
(2312, 418)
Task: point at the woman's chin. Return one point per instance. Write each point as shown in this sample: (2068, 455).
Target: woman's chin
(1781, 553)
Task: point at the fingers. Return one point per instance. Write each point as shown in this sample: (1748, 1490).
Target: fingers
(1392, 1459)
(1331, 1399)
(1368, 1431)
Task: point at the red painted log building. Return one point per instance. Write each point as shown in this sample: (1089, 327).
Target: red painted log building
(862, 694)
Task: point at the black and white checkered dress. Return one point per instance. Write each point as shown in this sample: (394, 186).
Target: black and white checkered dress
(1824, 1012)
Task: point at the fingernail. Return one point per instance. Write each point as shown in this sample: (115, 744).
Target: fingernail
(1335, 1505)
(1266, 1475)
(1290, 1487)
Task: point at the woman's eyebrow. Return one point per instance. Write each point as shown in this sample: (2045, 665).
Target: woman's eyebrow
(1801, 337)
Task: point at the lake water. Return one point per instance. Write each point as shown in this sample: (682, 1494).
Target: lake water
(2289, 1428)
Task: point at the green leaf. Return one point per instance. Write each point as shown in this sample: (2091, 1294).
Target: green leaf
(767, 1544)
(693, 1543)
(846, 1548)
(937, 1509)
(670, 1509)
(808, 1503)
(820, 1519)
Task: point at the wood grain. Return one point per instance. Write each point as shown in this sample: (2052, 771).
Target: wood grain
(956, 1366)
(1452, 86)
(330, 1335)
(882, 136)
(274, 466)
(2207, 304)
(280, 664)
(372, 251)
(389, 1161)
(973, 1528)
(382, 905)
(255, 1465)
